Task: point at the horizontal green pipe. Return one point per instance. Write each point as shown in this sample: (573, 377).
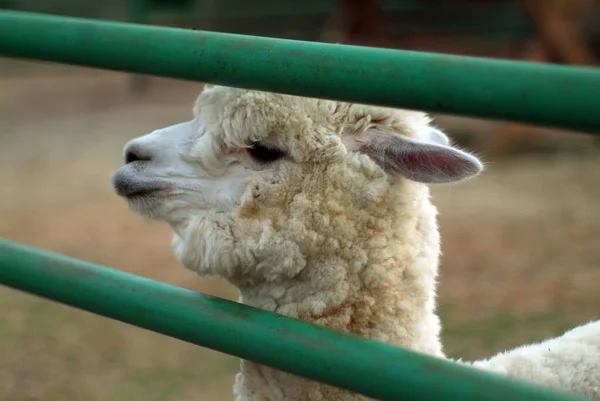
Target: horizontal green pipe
(535, 93)
(374, 369)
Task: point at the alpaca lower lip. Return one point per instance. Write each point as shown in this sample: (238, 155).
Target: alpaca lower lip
(140, 193)
(133, 191)
(128, 187)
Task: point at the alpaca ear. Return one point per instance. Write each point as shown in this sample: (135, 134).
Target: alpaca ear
(431, 160)
(437, 136)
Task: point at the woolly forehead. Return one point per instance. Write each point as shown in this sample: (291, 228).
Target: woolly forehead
(305, 128)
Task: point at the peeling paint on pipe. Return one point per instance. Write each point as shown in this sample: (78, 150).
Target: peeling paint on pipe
(534, 93)
(361, 365)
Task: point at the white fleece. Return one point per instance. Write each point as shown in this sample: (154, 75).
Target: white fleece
(570, 362)
(314, 209)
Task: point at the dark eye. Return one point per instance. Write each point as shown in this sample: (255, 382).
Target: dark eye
(263, 153)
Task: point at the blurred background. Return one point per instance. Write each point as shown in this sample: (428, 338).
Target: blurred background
(521, 250)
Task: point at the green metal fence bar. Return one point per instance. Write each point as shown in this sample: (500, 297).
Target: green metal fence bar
(552, 95)
(364, 366)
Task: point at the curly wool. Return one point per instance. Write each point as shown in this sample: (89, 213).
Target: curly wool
(340, 244)
(341, 232)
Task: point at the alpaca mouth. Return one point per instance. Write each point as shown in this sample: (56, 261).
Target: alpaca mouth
(129, 187)
(139, 193)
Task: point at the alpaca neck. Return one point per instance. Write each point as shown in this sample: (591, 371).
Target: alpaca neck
(391, 298)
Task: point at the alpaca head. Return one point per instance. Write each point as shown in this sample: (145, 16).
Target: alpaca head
(258, 183)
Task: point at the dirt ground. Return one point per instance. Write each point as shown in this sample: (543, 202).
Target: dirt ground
(521, 250)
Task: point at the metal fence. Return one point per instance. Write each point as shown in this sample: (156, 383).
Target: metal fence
(532, 93)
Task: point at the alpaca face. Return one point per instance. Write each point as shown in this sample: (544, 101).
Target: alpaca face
(176, 172)
(270, 158)
(199, 166)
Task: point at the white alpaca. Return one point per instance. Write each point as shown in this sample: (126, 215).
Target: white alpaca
(313, 208)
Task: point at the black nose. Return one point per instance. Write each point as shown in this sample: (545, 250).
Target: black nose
(134, 154)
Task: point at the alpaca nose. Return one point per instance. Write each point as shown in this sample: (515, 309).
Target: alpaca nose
(133, 153)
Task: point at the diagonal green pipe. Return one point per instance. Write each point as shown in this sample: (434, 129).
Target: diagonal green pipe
(374, 369)
(552, 95)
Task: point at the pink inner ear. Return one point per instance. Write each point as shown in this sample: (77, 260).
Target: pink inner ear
(437, 162)
(420, 161)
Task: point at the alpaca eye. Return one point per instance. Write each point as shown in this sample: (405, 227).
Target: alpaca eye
(264, 154)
